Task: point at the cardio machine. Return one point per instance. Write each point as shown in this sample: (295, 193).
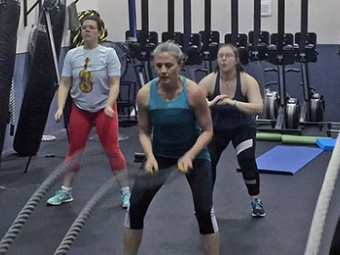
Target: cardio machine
(313, 107)
(279, 107)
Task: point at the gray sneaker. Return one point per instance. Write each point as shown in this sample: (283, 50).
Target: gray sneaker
(60, 197)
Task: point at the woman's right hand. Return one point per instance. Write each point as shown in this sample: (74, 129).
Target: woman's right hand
(151, 165)
(58, 114)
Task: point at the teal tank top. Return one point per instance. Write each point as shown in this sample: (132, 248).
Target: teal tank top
(173, 123)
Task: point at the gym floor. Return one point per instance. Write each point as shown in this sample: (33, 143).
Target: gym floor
(171, 227)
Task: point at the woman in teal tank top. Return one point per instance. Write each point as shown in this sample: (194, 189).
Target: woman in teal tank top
(174, 130)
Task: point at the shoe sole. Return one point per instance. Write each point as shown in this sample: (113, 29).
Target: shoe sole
(125, 206)
(258, 215)
(65, 201)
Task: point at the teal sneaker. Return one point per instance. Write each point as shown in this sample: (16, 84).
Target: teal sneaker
(257, 209)
(125, 200)
(60, 197)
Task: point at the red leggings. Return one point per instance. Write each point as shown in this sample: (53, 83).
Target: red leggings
(80, 125)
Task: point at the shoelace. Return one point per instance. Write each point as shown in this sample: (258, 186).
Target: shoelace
(257, 205)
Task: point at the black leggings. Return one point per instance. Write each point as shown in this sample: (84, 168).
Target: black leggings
(244, 141)
(198, 179)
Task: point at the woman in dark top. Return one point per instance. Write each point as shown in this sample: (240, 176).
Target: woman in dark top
(235, 99)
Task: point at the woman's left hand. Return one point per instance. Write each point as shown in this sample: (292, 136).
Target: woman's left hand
(109, 112)
(184, 164)
(226, 100)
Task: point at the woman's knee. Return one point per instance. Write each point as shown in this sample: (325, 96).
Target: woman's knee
(207, 221)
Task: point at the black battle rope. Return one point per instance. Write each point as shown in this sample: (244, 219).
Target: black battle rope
(26, 211)
(83, 216)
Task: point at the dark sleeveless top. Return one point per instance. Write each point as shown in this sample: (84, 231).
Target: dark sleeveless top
(228, 117)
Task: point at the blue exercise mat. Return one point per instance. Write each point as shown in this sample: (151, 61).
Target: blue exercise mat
(286, 159)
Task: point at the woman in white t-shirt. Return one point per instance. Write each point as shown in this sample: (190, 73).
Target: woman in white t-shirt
(91, 74)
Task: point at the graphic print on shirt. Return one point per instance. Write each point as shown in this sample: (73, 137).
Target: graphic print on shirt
(85, 76)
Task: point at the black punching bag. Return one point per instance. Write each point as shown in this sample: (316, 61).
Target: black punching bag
(9, 22)
(41, 83)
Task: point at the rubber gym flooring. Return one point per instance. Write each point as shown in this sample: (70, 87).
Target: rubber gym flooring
(171, 227)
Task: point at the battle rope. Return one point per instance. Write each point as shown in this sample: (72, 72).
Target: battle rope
(31, 40)
(321, 209)
(26, 211)
(12, 108)
(84, 215)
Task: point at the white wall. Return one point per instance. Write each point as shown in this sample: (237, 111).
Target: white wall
(33, 18)
(324, 18)
(24, 31)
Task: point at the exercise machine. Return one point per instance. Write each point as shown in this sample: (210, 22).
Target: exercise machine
(210, 40)
(141, 43)
(257, 46)
(313, 107)
(258, 42)
(281, 53)
(137, 50)
(190, 43)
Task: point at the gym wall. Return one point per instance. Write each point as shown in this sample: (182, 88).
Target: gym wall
(323, 17)
(324, 20)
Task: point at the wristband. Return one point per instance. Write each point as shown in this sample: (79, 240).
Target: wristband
(234, 103)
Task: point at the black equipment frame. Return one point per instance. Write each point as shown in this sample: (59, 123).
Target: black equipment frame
(171, 34)
(210, 39)
(142, 45)
(313, 107)
(239, 40)
(258, 40)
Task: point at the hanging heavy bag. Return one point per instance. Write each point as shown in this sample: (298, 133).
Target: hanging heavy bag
(9, 22)
(41, 83)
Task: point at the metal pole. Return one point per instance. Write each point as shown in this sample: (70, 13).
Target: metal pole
(187, 25)
(132, 21)
(234, 22)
